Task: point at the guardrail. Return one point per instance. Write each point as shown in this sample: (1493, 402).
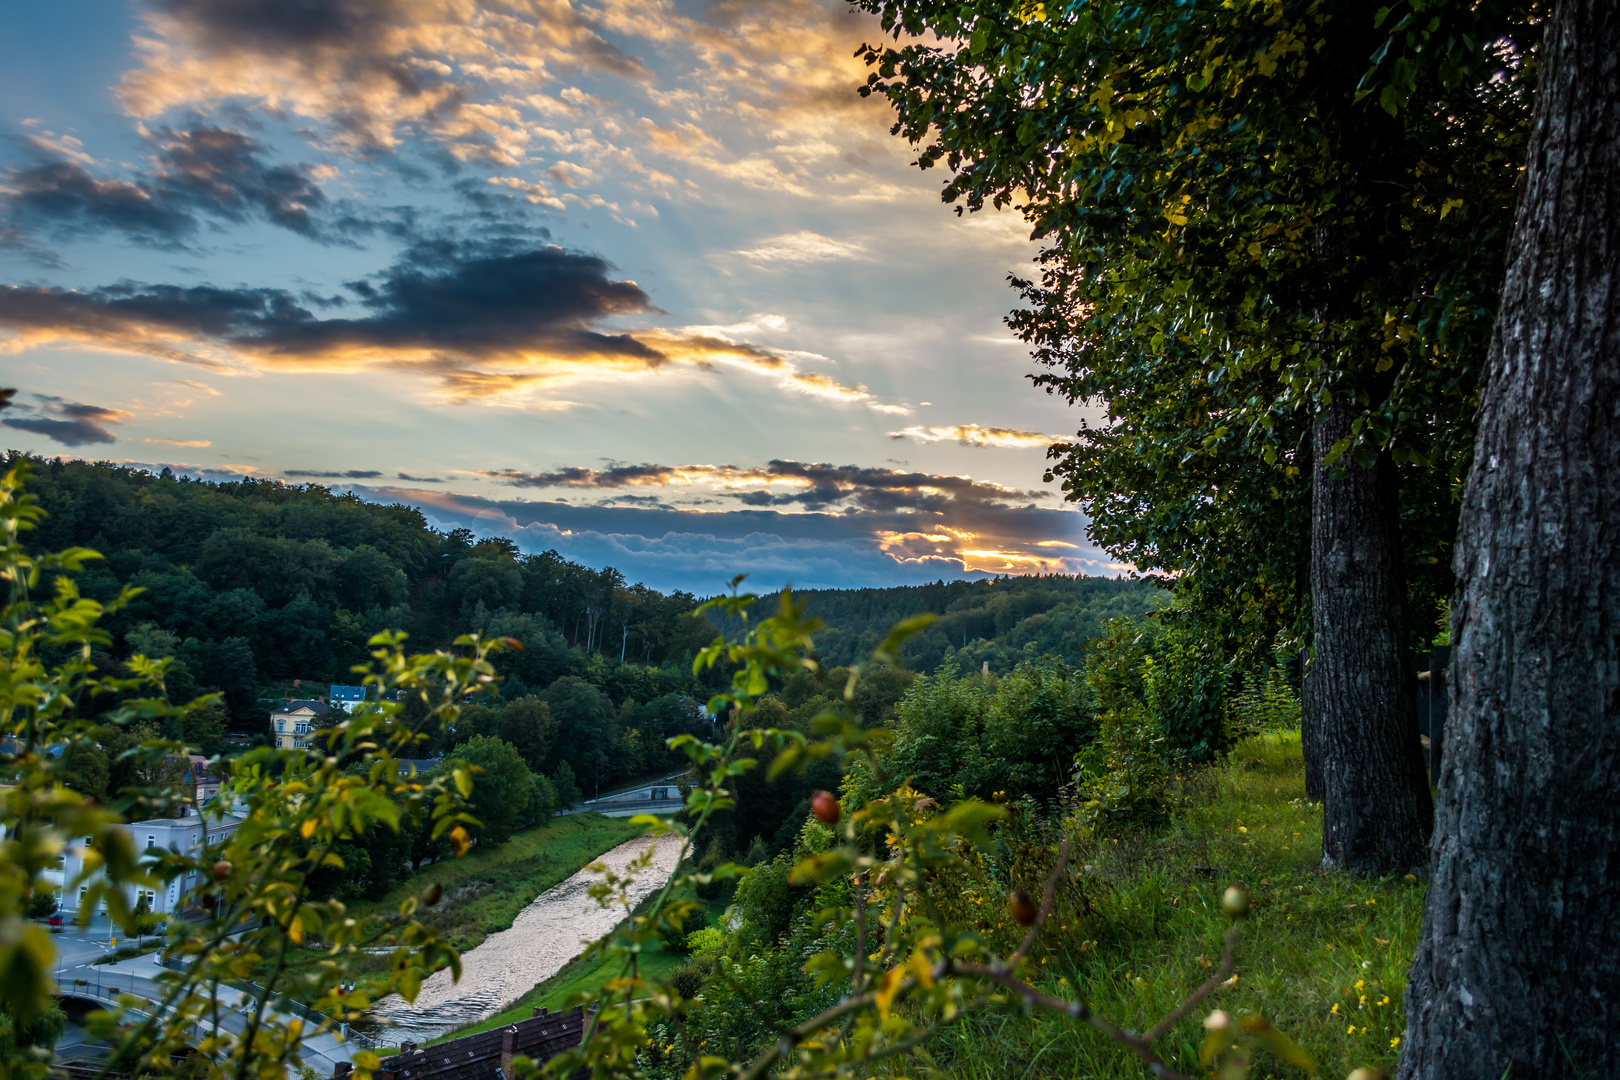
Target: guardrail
(286, 1005)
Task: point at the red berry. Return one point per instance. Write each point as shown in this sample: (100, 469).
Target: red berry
(824, 804)
(222, 870)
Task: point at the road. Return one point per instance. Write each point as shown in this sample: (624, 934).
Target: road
(77, 976)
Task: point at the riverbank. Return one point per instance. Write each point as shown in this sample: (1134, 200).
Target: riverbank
(487, 889)
(542, 940)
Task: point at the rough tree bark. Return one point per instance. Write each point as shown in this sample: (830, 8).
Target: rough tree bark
(1309, 725)
(1360, 684)
(1518, 969)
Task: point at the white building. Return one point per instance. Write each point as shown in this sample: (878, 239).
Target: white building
(347, 697)
(293, 722)
(179, 835)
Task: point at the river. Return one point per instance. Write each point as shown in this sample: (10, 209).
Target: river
(557, 927)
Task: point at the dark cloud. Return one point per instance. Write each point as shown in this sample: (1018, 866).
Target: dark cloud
(70, 423)
(443, 305)
(702, 550)
(815, 486)
(198, 173)
(220, 172)
(315, 474)
(420, 479)
(63, 195)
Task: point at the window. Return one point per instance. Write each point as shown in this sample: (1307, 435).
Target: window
(151, 841)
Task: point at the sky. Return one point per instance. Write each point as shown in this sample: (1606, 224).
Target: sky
(642, 281)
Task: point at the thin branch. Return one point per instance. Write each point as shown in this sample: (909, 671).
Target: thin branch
(1078, 1011)
(860, 932)
(1047, 899)
(1221, 974)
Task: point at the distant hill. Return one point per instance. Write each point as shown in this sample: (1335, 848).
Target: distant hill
(254, 583)
(1002, 620)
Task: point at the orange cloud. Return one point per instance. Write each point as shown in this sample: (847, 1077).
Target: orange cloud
(974, 435)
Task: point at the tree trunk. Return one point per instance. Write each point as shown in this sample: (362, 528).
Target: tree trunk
(1518, 969)
(1310, 725)
(1360, 690)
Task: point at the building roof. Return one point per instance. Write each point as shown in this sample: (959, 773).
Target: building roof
(319, 708)
(348, 693)
(191, 822)
(488, 1055)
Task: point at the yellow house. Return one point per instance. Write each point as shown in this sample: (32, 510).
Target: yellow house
(293, 722)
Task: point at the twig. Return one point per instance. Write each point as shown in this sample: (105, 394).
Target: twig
(1078, 1010)
(1221, 973)
(1046, 904)
(860, 932)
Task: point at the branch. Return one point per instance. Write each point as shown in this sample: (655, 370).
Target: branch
(1046, 904)
(1221, 973)
(1078, 1010)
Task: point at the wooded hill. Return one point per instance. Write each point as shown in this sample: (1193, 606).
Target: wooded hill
(250, 584)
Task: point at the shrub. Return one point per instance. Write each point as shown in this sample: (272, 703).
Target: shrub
(689, 978)
(1267, 703)
(1185, 696)
(706, 941)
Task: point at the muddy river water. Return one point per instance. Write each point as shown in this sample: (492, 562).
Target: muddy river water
(545, 935)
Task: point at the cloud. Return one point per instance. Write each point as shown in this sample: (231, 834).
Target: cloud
(487, 321)
(804, 247)
(370, 72)
(79, 424)
(198, 172)
(182, 442)
(419, 479)
(316, 474)
(701, 550)
(974, 435)
(758, 94)
(439, 308)
(789, 483)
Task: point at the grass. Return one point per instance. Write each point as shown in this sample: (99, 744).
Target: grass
(1324, 957)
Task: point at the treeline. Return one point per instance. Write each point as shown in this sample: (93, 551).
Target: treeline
(1002, 621)
(254, 583)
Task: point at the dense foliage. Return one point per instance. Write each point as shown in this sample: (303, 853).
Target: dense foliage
(1002, 621)
(1253, 214)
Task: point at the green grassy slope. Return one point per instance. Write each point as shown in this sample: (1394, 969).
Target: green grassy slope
(484, 891)
(1324, 957)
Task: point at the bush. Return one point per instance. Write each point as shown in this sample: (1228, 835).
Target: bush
(1185, 696)
(689, 978)
(705, 941)
(1267, 704)
(41, 905)
(1016, 735)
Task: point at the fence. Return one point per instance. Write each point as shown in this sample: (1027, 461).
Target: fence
(287, 1006)
(1433, 702)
